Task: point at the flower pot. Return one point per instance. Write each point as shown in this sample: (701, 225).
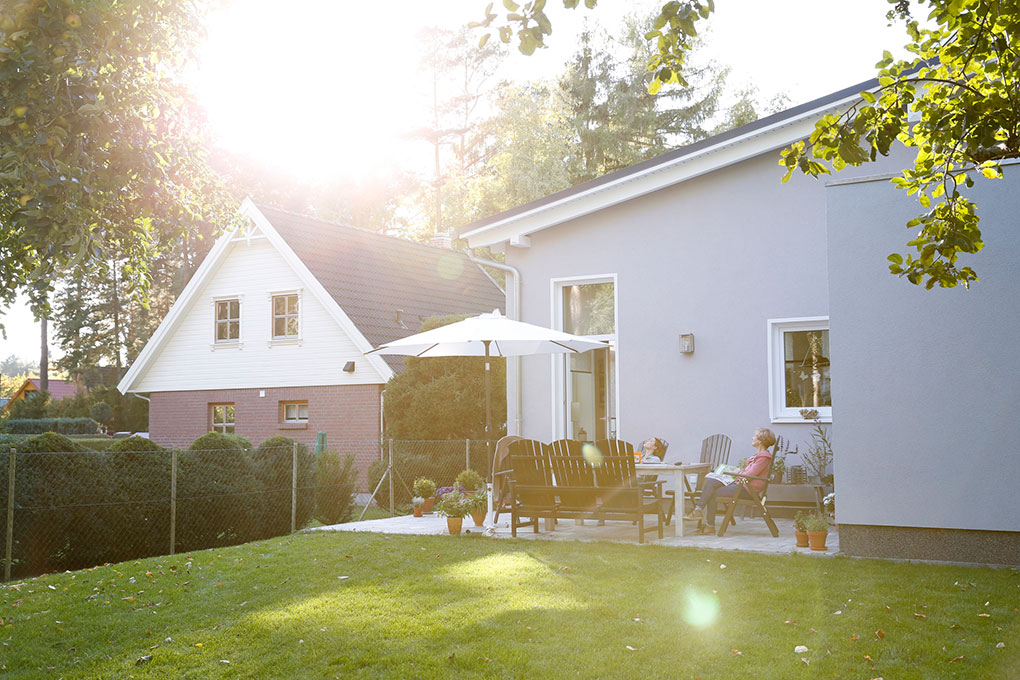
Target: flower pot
(479, 517)
(802, 538)
(817, 539)
(417, 511)
(428, 503)
(454, 524)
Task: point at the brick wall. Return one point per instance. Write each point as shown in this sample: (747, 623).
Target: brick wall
(348, 414)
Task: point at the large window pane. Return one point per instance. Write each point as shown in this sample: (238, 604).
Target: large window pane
(806, 367)
(589, 309)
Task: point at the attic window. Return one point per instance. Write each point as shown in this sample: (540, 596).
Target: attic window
(228, 320)
(285, 316)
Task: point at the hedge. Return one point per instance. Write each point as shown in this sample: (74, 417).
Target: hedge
(58, 425)
(335, 481)
(274, 469)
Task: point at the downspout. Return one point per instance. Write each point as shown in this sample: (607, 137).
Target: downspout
(515, 314)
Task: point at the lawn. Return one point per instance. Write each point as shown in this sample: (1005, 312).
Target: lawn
(362, 605)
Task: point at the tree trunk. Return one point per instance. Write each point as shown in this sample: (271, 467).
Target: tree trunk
(44, 358)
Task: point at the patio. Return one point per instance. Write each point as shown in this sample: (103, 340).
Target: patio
(750, 535)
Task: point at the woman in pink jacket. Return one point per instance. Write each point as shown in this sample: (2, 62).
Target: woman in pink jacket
(714, 488)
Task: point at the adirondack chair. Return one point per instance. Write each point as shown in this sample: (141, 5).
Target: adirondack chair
(614, 447)
(566, 447)
(623, 497)
(715, 451)
(574, 479)
(501, 475)
(752, 499)
(531, 491)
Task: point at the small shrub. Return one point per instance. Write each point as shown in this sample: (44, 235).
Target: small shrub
(815, 522)
(101, 412)
(49, 442)
(217, 441)
(424, 488)
(470, 480)
(335, 480)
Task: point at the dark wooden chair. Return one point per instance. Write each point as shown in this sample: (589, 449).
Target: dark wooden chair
(623, 497)
(566, 447)
(750, 498)
(501, 471)
(574, 479)
(531, 491)
(715, 451)
(614, 447)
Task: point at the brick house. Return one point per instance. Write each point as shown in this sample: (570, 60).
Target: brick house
(268, 338)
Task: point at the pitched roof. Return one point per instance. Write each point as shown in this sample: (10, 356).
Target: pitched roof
(770, 132)
(386, 285)
(58, 389)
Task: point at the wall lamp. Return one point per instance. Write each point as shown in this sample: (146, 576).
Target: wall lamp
(349, 367)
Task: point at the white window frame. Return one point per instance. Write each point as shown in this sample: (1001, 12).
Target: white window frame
(293, 402)
(286, 339)
(778, 411)
(221, 427)
(228, 344)
(559, 361)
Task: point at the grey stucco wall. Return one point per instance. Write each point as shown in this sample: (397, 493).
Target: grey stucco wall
(925, 382)
(716, 256)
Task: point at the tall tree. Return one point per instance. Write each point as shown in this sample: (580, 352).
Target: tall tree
(102, 149)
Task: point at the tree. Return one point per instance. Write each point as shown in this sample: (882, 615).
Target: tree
(102, 152)
(957, 101)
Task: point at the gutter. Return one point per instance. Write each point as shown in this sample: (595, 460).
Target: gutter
(514, 314)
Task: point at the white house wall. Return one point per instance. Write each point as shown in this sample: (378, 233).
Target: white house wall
(254, 271)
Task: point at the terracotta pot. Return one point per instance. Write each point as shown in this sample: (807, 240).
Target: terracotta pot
(802, 539)
(417, 511)
(817, 539)
(478, 517)
(454, 524)
(428, 503)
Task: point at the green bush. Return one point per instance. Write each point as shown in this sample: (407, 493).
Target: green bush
(274, 468)
(49, 442)
(101, 412)
(470, 480)
(335, 480)
(135, 443)
(130, 414)
(139, 472)
(32, 406)
(58, 425)
(218, 494)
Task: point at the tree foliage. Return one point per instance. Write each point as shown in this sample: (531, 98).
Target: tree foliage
(957, 102)
(101, 150)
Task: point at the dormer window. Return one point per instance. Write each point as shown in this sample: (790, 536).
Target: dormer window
(228, 320)
(286, 316)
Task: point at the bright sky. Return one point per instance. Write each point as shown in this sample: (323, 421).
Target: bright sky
(325, 88)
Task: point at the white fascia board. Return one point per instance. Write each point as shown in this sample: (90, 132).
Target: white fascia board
(779, 134)
(165, 328)
(250, 210)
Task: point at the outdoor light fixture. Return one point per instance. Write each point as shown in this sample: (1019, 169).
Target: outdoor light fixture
(687, 343)
(349, 367)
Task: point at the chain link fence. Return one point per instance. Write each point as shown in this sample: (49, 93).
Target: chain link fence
(72, 510)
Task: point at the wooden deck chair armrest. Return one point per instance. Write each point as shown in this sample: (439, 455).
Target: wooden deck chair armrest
(501, 474)
(651, 483)
(737, 474)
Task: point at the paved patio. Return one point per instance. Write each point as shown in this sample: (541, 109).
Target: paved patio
(750, 535)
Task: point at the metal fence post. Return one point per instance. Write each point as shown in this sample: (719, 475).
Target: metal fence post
(389, 475)
(293, 489)
(173, 501)
(467, 454)
(10, 517)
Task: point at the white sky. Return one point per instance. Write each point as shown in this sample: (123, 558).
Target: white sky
(325, 88)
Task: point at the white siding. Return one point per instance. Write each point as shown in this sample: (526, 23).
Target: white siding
(254, 271)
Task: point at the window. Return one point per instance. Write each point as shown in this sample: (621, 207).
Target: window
(587, 388)
(285, 316)
(800, 377)
(228, 320)
(294, 411)
(222, 418)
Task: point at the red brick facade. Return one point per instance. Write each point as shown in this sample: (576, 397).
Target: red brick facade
(348, 414)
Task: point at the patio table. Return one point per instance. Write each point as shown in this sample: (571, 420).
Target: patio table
(680, 482)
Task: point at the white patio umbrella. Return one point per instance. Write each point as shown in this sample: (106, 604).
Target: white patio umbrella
(488, 335)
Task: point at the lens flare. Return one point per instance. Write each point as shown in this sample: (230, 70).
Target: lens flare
(701, 609)
(592, 454)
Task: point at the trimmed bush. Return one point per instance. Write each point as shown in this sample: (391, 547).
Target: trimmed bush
(274, 468)
(134, 444)
(218, 494)
(49, 442)
(335, 480)
(101, 412)
(470, 480)
(58, 425)
(139, 472)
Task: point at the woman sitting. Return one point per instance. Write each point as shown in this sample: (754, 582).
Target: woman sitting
(724, 486)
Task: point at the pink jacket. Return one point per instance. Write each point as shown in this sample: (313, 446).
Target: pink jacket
(758, 466)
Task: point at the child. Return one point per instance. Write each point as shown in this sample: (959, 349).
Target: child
(715, 488)
(653, 450)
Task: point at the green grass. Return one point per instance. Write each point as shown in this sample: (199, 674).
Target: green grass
(328, 605)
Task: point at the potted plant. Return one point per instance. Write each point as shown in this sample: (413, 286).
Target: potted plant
(479, 501)
(817, 530)
(799, 529)
(417, 502)
(830, 505)
(454, 506)
(426, 489)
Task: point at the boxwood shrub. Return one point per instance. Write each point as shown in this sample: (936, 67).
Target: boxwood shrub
(335, 480)
(58, 425)
(274, 468)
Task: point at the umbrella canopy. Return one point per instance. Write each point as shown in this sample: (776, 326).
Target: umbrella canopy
(488, 335)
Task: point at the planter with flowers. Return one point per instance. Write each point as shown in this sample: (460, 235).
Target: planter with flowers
(426, 489)
(817, 528)
(418, 502)
(474, 485)
(799, 529)
(454, 505)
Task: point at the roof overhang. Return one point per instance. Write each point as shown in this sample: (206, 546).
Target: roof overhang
(768, 134)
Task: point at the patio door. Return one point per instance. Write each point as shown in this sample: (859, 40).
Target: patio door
(587, 382)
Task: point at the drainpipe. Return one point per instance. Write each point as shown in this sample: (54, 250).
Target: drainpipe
(515, 314)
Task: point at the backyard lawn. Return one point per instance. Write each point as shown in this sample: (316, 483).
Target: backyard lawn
(363, 605)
